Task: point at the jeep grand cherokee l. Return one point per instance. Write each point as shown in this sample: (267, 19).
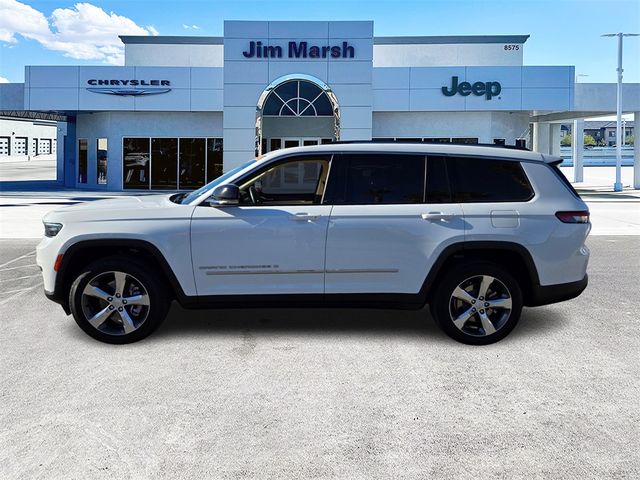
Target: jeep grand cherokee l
(474, 232)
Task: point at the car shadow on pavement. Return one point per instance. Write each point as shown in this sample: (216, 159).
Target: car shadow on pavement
(318, 321)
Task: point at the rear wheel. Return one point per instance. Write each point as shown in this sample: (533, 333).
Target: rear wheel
(477, 303)
(118, 300)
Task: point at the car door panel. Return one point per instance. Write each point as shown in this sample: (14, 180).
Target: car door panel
(387, 248)
(259, 249)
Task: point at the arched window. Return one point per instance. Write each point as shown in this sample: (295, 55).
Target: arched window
(297, 98)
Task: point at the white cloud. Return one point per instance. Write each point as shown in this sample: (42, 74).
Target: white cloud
(4, 80)
(190, 27)
(85, 32)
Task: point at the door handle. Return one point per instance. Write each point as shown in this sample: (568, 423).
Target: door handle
(303, 217)
(431, 216)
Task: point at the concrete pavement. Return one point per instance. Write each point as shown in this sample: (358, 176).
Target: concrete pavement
(352, 394)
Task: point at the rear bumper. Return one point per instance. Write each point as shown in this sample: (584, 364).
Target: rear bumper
(544, 295)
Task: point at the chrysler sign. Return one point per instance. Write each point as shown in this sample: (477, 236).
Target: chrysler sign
(128, 87)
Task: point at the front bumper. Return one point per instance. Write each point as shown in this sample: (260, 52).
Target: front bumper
(544, 295)
(63, 302)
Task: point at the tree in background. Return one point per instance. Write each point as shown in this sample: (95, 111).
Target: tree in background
(630, 140)
(588, 140)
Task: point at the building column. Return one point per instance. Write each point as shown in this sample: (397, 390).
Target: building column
(577, 150)
(541, 137)
(554, 139)
(636, 151)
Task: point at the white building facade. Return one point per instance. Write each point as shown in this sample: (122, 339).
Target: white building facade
(183, 109)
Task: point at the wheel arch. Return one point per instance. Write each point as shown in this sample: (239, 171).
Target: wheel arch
(86, 251)
(513, 257)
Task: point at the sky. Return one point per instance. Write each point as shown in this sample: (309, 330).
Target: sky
(563, 32)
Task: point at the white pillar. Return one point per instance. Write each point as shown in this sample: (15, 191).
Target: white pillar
(541, 137)
(636, 152)
(554, 139)
(577, 150)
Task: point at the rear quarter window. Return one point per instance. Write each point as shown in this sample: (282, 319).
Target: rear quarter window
(475, 180)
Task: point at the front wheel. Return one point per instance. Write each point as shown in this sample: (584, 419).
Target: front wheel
(477, 303)
(118, 300)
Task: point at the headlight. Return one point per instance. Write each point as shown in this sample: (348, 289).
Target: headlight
(52, 229)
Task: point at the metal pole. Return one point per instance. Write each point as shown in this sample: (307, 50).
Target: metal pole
(617, 187)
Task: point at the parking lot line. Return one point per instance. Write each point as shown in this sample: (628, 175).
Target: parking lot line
(30, 254)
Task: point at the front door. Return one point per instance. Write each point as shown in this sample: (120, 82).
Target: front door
(386, 230)
(273, 242)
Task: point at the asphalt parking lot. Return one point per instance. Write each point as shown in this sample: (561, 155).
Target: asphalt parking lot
(354, 394)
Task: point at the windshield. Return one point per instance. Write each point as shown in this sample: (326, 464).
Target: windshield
(218, 181)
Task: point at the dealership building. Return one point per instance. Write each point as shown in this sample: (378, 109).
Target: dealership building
(184, 109)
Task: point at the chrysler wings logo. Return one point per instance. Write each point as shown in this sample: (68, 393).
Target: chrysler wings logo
(129, 88)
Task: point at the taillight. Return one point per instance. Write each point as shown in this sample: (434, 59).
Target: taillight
(573, 217)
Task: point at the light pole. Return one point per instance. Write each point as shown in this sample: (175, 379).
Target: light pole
(617, 187)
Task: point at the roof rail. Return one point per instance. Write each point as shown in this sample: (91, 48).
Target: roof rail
(494, 145)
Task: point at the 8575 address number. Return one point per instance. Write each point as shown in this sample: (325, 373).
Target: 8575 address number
(512, 47)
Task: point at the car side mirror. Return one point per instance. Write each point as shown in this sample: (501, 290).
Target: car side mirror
(228, 194)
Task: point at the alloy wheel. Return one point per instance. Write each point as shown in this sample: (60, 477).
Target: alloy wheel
(480, 305)
(115, 303)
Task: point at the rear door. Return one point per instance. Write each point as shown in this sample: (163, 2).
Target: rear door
(386, 230)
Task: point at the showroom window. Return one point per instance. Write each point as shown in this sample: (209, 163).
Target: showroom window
(463, 140)
(192, 163)
(82, 160)
(136, 159)
(214, 158)
(101, 161)
(162, 163)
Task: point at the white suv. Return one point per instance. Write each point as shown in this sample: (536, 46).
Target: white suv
(474, 232)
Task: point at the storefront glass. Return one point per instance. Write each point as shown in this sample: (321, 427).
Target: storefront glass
(214, 158)
(192, 163)
(82, 160)
(101, 160)
(170, 163)
(135, 155)
(164, 163)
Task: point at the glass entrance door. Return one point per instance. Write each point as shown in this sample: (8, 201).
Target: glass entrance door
(290, 142)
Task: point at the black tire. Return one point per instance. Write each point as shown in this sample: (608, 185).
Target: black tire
(137, 273)
(444, 307)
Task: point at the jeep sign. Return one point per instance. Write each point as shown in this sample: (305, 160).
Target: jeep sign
(488, 89)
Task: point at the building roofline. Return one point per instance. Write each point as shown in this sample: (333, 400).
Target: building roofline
(421, 40)
(171, 39)
(450, 39)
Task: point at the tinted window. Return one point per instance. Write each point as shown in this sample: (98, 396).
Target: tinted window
(363, 179)
(487, 180)
(437, 181)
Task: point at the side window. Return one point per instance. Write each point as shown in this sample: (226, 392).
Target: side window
(488, 180)
(437, 190)
(298, 181)
(372, 179)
